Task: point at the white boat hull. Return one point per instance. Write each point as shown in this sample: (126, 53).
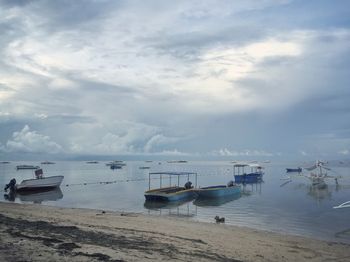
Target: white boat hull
(40, 183)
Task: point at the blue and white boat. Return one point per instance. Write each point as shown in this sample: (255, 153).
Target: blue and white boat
(218, 191)
(255, 175)
(171, 193)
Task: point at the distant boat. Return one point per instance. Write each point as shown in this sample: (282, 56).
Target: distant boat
(116, 166)
(19, 167)
(144, 167)
(116, 162)
(218, 191)
(298, 170)
(4, 162)
(171, 193)
(92, 162)
(47, 163)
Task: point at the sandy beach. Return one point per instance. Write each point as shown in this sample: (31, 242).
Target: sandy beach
(43, 233)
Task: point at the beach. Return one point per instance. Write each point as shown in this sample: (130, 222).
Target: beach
(31, 232)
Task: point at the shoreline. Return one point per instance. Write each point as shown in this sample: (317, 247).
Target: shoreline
(34, 232)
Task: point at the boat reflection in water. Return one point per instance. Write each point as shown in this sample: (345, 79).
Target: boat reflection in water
(179, 208)
(36, 197)
(207, 202)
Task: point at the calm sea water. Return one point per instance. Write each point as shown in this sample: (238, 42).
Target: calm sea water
(294, 208)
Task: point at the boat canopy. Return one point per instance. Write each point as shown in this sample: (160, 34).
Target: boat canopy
(255, 166)
(240, 165)
(173, 173)
(169, 176)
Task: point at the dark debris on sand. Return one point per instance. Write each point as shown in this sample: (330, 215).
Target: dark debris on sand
(67, 240)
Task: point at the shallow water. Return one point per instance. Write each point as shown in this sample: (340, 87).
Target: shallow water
(295, 207)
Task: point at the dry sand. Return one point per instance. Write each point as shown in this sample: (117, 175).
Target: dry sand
(42, 233)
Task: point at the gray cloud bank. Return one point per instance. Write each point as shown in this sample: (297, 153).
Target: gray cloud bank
(183, 78)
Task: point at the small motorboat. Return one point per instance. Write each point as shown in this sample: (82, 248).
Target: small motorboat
(38, 183)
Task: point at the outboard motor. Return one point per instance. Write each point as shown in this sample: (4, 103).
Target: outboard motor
(188, 185)
(230, 183)
(11, 185)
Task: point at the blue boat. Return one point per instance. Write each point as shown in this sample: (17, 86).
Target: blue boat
(241, 177)
(217, 201)
(171, 193)
(290, 170)
(218, 191)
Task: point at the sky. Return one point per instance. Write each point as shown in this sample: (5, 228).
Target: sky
(179, 79)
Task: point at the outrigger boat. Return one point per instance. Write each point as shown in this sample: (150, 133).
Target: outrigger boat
(344, 205)
(38, 183)
(318, 174)
(171, 193)
(241, 176)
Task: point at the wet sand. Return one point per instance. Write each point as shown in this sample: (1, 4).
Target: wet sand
(42, 233)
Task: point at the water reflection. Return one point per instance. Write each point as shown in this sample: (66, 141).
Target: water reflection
(248, 189)
(319, 193)
(219, 201)
(344, 234)
(173, 208)
(36, 197)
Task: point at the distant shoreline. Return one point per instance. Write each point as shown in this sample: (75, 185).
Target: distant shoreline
(41, 233)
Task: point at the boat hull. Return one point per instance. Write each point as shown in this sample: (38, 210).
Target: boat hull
(249, 178)
(169, 194)
(40, 184)
(290, 170)
(218, 191)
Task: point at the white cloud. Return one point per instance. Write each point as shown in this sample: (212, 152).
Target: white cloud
(32, 142)
(227, 152)
(158, 140)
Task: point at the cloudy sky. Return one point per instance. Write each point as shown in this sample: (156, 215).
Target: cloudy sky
(181, 79)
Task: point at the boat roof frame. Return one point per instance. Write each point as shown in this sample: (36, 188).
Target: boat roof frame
(173, 173)
(170, 174)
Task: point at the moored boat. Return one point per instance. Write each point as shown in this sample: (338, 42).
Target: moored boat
(297, 170)
(254, 176)
(38, 183)
(19, 167)
(171, 193)
(91, 162)
(218, 191)
(48, 163)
